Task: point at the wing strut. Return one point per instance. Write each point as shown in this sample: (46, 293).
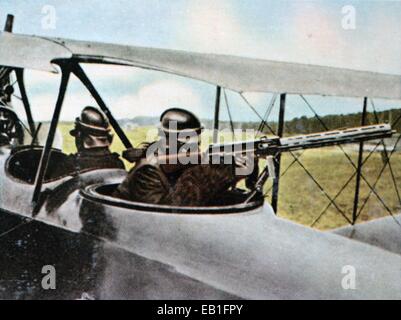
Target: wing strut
(280, 131)
(216, 114)
(44, 160)
(9, 23)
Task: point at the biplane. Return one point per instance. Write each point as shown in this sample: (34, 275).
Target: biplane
(237, 250)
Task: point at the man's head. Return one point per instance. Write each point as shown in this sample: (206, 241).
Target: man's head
(91, 130)
(179, 129)
(179, 134)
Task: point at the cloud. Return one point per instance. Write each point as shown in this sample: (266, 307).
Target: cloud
(150, 100)
(154, 98)
(212, 27)
(39, 78)
(309, 32)
(217, 27)
(317, 37)
(42, 106)
(315, 34)
(383, 50)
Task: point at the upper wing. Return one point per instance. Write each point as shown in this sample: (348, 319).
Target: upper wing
(235, 73)
(30, 52)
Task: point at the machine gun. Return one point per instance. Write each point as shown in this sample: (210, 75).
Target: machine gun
(271, 146)
(265, 146)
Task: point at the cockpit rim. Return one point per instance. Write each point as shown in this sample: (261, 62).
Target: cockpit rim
(90, 193)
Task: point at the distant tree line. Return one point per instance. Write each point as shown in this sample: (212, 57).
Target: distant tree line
(312, 124)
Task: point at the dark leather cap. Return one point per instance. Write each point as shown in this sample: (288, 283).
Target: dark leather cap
(92, 121)
(184, 120)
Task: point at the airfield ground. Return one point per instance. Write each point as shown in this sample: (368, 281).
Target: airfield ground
(300, 199)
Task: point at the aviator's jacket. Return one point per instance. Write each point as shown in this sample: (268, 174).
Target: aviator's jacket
(91, 159)
(193, 185)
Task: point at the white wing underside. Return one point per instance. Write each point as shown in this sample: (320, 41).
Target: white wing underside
(231, 72)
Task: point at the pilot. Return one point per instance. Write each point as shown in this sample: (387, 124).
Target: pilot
(178, 183)
(92, 139)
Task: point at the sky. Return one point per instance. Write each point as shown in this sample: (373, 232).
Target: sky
(297, 31)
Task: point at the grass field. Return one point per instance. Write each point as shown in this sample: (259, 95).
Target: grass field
(300, 199)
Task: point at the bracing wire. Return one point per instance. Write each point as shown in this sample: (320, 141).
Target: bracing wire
(299, 162)
(350, 160)
(267, 113)
(386, 154)
(256, 112)
(345, 185)
(375, 183)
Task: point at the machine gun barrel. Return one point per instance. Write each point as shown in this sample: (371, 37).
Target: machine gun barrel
(271, 146)
(336, 137)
